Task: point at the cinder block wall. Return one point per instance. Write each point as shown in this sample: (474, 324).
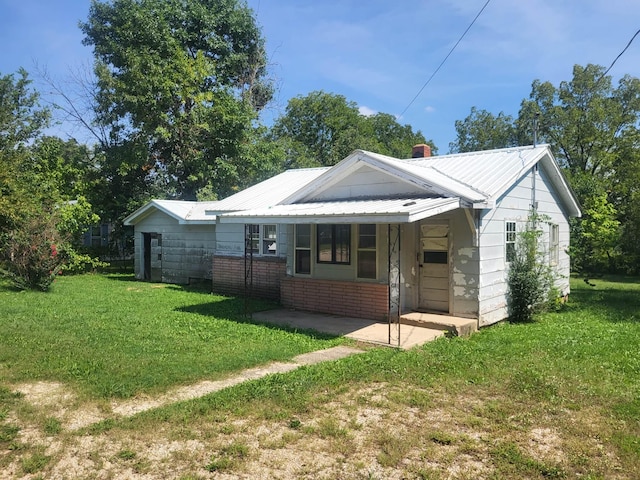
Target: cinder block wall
(229, 274)
(351, 299)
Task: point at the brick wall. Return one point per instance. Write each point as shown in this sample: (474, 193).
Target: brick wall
(351, 299)
(229, 272)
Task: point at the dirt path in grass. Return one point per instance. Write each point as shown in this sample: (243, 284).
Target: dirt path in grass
(54, 395)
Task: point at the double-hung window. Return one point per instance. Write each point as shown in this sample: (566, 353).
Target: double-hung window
(334, 244)
(367, 251)
(262, 239)
(303, 249)
(510, 240)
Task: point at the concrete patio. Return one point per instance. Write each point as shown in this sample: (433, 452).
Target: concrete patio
(355, 328)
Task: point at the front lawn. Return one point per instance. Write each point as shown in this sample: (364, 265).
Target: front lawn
(110, 336)
(558, 398)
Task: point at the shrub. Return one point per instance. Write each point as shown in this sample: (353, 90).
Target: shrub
(530, 280)
(30, 255)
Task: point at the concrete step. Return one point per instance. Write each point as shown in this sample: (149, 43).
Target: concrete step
(462, 327)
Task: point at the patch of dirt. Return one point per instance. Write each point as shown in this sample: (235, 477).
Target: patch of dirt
(377, 431)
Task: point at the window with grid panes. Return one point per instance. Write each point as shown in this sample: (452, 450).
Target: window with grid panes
(303, 249)
(334, 243)
(510, 240)
(367, 260)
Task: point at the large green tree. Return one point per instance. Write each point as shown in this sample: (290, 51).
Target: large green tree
(321, 128)
(592, 126)
(21, 120)
(482, 130)
(38, 222)
(185, 77)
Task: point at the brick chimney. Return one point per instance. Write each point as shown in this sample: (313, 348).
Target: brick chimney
(421, 151)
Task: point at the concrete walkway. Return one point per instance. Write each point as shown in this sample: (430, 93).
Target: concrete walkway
(127, 408)
(406, 336)
(355, 328)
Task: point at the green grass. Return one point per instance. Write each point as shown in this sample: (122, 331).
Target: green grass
(572, 376)
(110, 336)
(582, 359)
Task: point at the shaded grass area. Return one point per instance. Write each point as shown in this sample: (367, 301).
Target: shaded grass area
(114, 337)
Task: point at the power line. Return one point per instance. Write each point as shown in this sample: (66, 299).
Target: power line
(620, 54)
(445, 59)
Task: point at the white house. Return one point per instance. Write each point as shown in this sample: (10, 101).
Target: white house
(376, 237)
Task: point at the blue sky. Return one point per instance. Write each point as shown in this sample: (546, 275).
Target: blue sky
(379, 53)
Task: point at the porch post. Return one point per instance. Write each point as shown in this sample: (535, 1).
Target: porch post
(393, 236)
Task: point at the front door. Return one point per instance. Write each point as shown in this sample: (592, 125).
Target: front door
(434, 268)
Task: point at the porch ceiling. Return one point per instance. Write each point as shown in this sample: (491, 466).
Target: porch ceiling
(395, 210)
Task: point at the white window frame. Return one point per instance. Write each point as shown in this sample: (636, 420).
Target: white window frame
(361, 249)
(554, 244)
(260, 243)
(306, 248)
(510, 237)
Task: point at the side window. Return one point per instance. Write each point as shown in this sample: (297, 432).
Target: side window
(303, 249)
(367, 251)
(554, 244)
(510, 240)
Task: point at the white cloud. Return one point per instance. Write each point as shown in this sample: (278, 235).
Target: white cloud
(366, 111)
(429, 109)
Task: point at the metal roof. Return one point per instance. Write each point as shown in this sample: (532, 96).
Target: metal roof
(177, 209)
(269, 192)
(266, 193)
(490, 172)
(475, 179)
(396, 210)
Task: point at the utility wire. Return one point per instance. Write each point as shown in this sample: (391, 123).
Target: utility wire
(619, 55)
(445, 59)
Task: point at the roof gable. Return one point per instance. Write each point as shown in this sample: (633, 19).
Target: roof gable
(176, 209)
(400, 174)
(364, 181)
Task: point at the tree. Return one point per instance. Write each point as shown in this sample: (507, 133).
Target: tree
(394, 139)
(482, 130)
(21, 117)
(585, 119)
(185, 75)
(38, 179)
(321, 128)
(592, 128)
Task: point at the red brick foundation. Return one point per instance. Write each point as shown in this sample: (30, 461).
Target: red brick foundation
(351, 299)
(229, 273)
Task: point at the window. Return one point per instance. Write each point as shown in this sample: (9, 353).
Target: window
(303, 249)
(252, 238)
(554, 244)
(262, 239)
(367, 251)
(510, 240)
(334, 244)
(269, 239)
